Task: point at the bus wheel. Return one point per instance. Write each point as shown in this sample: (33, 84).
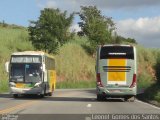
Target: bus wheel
(100, 97)
(43, 93)
(15, 95)
(129, 99)
(51, 93)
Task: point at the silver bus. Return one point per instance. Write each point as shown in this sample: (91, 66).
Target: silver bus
(116, 71)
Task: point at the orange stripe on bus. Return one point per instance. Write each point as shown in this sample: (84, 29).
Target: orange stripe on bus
(117, 76)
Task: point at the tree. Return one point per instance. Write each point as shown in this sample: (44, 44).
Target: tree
(120, 39)
(95, 26)
(51, 30)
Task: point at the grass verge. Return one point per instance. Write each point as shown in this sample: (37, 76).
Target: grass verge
(151, 95)
(4, 86)
(78, 84)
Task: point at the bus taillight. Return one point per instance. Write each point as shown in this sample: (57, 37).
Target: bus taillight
(134, 81)
(99, 83)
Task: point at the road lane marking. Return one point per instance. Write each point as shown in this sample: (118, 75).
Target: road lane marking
(4, 100)
(80, 89)
(23, 105)
(148, 104)
(89, 105)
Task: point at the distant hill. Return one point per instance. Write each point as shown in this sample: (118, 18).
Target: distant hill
(12, 26)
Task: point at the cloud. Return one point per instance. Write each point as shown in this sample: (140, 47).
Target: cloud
(51, 4)
(75, 28)
(116, 4)
(74, 5)
(144, 26)
(69, 5)
(145, 30)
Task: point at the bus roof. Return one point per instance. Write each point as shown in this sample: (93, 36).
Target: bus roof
(32, 53)
(123, 45)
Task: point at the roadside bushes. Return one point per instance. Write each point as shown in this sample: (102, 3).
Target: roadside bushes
(157, 69)
(11, 40)
(152, 91)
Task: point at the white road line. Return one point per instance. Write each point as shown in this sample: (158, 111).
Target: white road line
(148, 104)
(80, 89)
(89, 105)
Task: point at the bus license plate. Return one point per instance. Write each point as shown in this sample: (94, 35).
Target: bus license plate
(115, 91)
(19, 85)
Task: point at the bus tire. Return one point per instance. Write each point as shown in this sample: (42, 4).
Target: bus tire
(43, 92)
(15, 95)
(42, 95)
(51, 93)
(100, 97)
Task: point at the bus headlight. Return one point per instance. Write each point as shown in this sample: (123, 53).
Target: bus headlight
(38, 84)
(12, 84)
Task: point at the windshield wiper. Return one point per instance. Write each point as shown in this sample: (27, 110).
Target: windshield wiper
(17, 76)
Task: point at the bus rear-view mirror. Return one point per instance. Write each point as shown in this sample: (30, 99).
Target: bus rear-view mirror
(7, 66)
(43, 67)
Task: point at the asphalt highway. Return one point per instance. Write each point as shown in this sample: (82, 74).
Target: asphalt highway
(69, 102)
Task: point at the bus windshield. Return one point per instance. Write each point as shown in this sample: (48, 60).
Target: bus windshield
(26, 72)
(109, 52)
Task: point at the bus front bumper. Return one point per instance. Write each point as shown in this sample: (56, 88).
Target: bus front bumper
(14, 90)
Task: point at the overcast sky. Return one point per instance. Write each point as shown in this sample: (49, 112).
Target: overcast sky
(139, 19)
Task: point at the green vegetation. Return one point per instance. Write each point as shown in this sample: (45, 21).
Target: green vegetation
(75, 67)
(73, 70)
(152, 94)
(146, 63)
(76, 84)
(98, 28)
(149, 74)
(11, 39)
(120, 39)
(73, 64)
(51, 30)
(13, 26)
